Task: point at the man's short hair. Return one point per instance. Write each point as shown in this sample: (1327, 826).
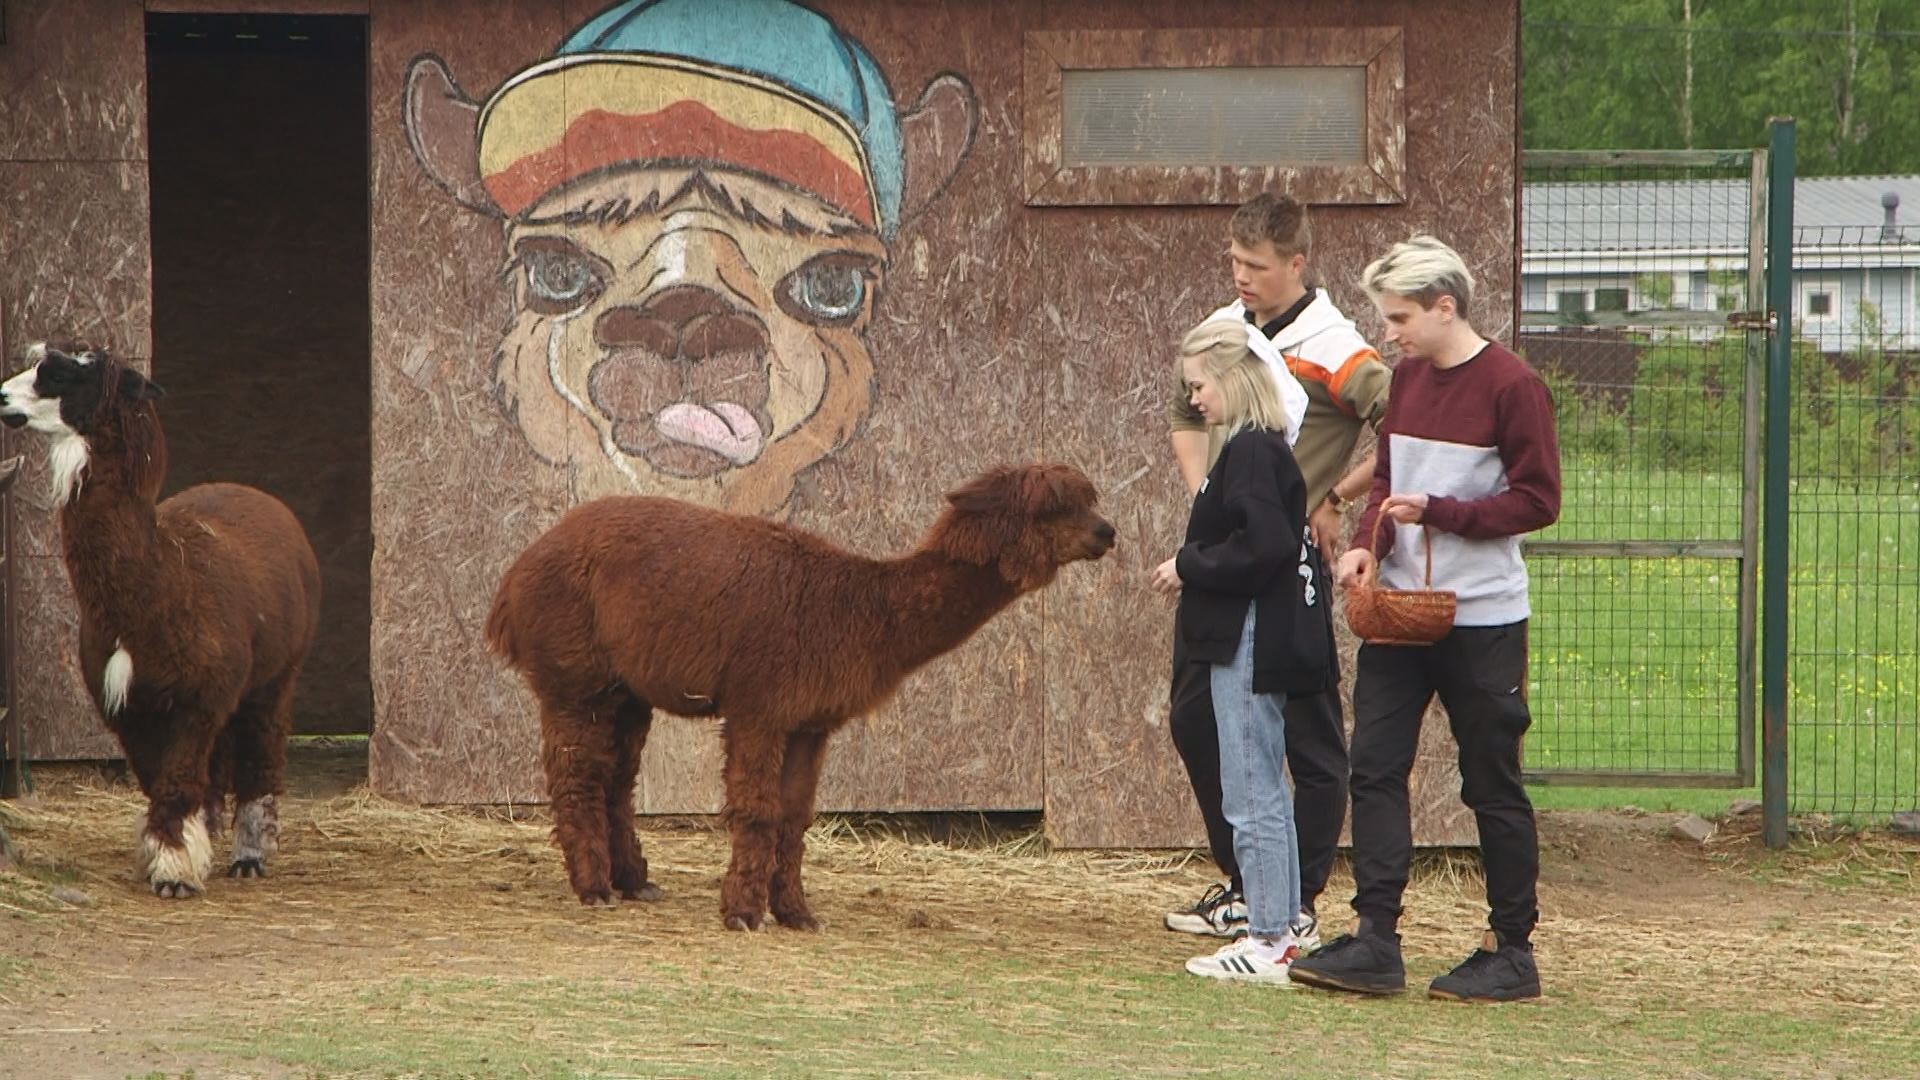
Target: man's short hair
(1423, 270)
(1277, 219)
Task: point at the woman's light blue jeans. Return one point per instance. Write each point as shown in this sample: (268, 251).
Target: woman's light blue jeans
(1254, 796)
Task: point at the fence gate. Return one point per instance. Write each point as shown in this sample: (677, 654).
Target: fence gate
(1643, 305)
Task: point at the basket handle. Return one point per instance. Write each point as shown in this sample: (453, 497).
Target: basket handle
(1426, 541)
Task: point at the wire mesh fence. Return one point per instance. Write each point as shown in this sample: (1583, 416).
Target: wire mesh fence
(1854, 583)
(1641, 294)
(1635, 269)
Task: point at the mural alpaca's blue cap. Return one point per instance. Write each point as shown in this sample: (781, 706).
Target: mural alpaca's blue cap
(764, 86)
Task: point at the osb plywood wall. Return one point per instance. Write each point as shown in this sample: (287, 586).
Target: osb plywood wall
(993, 332)
(75, 237)
(990, 331)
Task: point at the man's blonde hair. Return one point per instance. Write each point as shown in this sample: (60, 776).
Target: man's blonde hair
(1248, 392)
(1423, 270)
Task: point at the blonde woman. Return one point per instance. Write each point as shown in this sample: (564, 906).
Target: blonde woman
(1251, 609)
(1333, 385)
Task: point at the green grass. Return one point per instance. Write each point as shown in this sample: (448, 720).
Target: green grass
(1634, 660)
(1707, 802)
(999, 1013)
(15, 971)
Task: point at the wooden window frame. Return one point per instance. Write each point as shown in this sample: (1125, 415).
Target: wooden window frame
(1380, 180)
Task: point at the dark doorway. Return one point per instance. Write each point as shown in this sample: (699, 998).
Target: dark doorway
(258, 169)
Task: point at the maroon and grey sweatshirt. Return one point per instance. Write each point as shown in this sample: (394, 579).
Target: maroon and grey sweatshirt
(1479, 440)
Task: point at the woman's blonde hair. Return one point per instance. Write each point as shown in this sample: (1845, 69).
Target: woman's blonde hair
(1247, 391)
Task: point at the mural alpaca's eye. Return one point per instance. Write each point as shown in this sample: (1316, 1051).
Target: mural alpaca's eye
(830, 290)
(559, 281)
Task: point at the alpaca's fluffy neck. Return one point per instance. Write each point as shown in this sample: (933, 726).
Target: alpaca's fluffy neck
(934, 603)
(111, 539)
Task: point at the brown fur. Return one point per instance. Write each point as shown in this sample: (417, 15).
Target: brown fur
(215, 593)
(631, 604)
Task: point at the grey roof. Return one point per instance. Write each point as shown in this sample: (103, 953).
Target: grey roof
(1641, 215)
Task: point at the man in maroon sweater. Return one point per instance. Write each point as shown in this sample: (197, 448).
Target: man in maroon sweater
(1468, 461)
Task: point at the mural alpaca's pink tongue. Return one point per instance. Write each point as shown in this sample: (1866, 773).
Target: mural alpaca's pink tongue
(722, 427)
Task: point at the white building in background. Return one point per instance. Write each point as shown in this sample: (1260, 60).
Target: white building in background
(1621, 253)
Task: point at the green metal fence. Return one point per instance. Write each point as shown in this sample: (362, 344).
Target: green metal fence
(1641, 274)
(1853, 649)
(1728, 350)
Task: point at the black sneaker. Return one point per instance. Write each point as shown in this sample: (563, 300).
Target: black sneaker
(1492, 973)
(1364, 964)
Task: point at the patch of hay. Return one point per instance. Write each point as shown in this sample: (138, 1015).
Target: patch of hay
(1627, 915)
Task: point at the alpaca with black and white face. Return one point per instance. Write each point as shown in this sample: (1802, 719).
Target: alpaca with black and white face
(59, 396)
(195, 614)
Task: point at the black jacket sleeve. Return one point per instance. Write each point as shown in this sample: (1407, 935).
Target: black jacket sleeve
(1264, 541)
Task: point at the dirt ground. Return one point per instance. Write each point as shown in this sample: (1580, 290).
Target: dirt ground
(94, 973)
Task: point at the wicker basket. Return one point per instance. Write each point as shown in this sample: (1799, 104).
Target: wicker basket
(1400, 616)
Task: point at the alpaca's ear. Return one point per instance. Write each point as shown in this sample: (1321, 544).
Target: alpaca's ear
(1053, 491)
(137, 387)
(984, 494)
(1068, 489)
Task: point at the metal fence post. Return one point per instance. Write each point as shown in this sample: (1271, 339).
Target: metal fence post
(1773, 571)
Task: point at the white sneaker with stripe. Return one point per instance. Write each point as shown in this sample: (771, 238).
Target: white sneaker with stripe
(1249, 959)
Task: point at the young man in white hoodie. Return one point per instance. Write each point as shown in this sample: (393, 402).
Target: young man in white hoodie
(1346, 387)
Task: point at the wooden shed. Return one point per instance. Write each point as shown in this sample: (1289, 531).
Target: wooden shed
(430, 270)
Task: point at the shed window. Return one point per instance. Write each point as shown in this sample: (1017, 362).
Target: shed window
(1214, 117)
(1819, 305)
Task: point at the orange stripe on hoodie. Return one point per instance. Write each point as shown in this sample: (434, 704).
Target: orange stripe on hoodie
(1334, 381)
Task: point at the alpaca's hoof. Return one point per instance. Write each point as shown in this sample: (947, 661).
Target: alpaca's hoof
(648, 892)
(597, 898)
(177, 871)
(247, 868)
(798, 920)
(745, 922)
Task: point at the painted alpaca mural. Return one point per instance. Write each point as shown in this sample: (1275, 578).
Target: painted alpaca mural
(698, 219)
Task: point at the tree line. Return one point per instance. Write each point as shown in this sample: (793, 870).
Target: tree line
(1708, 74)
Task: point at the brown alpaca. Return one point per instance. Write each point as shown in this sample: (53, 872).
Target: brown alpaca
(195, 615)
(631, 604)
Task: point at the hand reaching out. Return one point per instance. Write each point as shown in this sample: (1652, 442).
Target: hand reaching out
(1356, 568)
(1165, 579)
